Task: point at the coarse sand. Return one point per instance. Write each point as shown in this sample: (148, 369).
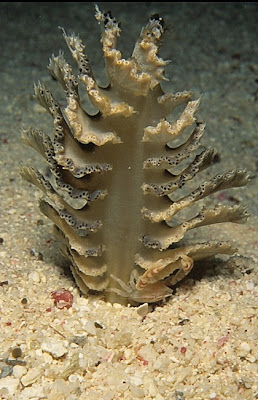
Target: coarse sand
(201, 343)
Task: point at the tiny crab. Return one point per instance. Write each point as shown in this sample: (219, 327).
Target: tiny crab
(152, 293)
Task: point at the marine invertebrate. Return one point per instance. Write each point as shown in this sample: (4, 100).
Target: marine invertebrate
(115, 175)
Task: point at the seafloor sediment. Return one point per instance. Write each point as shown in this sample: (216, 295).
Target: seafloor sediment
(200, 344)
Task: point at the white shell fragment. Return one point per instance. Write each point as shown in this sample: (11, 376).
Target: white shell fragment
(31, 376)
(56, 348)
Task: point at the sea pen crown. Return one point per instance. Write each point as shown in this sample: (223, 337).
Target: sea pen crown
(115, 174)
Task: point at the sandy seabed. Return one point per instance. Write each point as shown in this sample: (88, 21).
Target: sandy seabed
(202, 343)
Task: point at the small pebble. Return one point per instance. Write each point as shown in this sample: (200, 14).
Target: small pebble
(137, 393)
(98, 325)
(34, 392)
(249, 285)
(10, 383)
(245, 346)
(244, 349)
(31, 377)
(54, 347)
(19, 371)
(34, 276)
(143, 310)
(251, 358)
(72, 378)
(78, 340)
(16, 352)
(11, 211)
(90, 327)
(136, 380)
(5, 371)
